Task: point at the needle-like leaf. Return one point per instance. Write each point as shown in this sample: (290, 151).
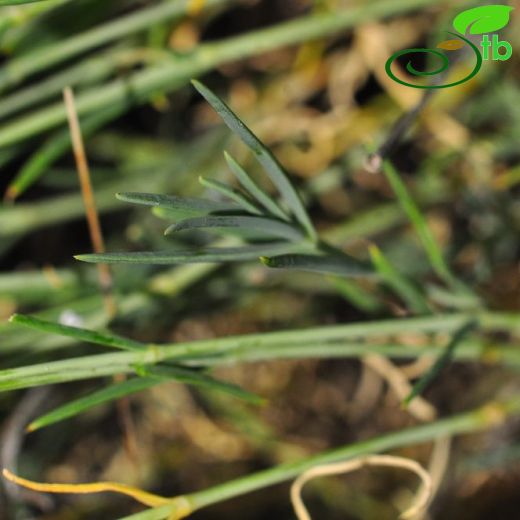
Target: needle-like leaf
(202, 255)
(192, 377)
(178, 207)
(442, 361)
(152, 376)
(90, 336)
(105, 395)
(267, 227)
(256, 192)
(231, 193)
(340, 265)
(399, 283)
(418, 221)
(263, 155)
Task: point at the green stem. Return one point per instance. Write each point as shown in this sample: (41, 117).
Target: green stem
(479, 419)
(21, 68)
(169, 77)
(482, 418)
(334, 341)
(88, 72)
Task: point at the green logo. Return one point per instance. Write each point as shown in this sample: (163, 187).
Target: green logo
(479, 20)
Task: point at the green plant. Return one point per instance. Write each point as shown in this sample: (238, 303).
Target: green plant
(423, 294)
(252, 215)
(283, 229)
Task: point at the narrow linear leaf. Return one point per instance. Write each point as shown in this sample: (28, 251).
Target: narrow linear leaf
(203, 255)
(355, 294)
(191, 377)
(154, 376)
(419, 222)
(231, 193)
(178, 206)
(339, 265)
(105, 395)
(441, 363)
(174, 214)
(256, 192)
(263, 155)
(267, 227)
(403, 287)
(89, 336)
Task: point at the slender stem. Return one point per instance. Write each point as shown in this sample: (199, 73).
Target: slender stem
(169, 77)
(335, 341)
(482, 418)
(85, 72)
(476, 420)
(94, 225)
(21, 68)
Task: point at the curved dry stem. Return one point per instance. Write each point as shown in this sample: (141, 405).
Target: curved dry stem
(419, 408)
(148, 499)
(421, 500)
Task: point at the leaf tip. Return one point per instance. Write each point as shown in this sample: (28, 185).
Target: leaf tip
(374, 250)
(170, 229)
(84, 258)
(198, 85)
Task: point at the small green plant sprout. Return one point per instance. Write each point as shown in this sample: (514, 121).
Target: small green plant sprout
(280, 233)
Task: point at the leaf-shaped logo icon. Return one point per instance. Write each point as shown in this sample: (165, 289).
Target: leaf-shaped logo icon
(484, 19)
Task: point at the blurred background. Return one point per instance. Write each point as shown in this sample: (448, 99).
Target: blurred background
(318, 95)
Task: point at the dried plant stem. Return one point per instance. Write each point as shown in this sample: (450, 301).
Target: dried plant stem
(96, 487)
(105, 276)
(421, 409)
(94, 226)
(421, 500)
(439, 461)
